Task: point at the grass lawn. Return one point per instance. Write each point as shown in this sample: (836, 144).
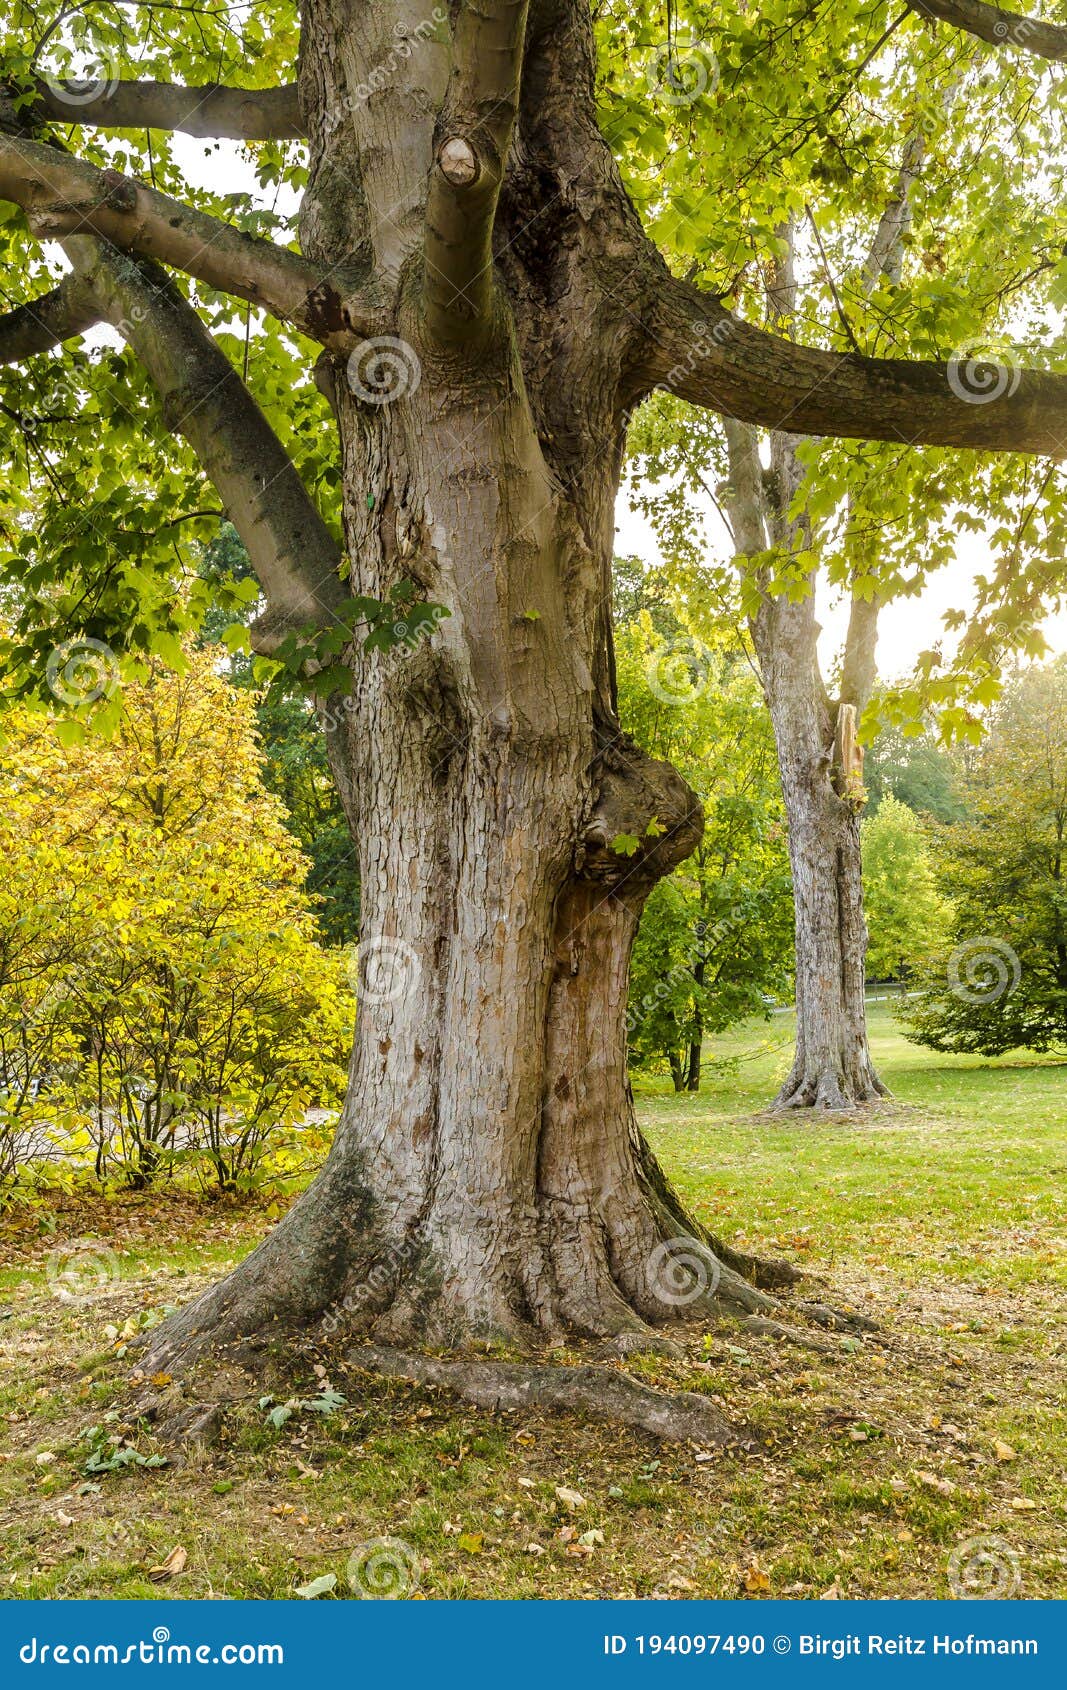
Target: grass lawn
(866, 1472)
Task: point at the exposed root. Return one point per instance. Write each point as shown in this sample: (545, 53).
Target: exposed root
(601, 1393)
(198, 1425)
(827, 1092)
(649, 1343)
(838, 1320)
(788, 1334)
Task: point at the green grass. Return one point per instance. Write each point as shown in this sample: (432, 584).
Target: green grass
(964, 1178)
(861, 1471)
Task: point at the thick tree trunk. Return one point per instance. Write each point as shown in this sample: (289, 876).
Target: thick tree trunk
(487, 1180)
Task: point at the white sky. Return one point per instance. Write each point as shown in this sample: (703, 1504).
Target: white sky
(904, 629)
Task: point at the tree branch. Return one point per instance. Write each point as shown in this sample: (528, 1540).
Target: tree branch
(859, 669)
(62, 195)
(294, 555)
(701, 352)
(231, 114)
(67, 311)
(998, 28)
(470, 154)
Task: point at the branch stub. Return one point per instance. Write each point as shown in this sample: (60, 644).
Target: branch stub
(458, 162)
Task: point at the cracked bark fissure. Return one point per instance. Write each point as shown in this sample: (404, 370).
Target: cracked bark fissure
(487, 1178)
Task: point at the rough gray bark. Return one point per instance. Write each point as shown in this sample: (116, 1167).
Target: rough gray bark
(998, 27)
(487, 1178)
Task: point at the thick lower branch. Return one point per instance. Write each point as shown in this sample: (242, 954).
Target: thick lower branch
(43, 323)
(292, 551)
(62, 195)
(998, 27)
(231, 114)
(703, 353)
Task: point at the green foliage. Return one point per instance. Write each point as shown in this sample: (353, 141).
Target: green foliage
(1003, 984)
(164, 1000)
(906, 918)
(917, 769)
(716, 936)
(295, 766)
(741, 119)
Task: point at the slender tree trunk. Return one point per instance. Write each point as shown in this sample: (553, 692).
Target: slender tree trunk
(692, 1073)
(832, 1066)
(696, 1044)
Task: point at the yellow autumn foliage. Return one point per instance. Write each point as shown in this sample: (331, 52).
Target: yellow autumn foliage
(165, 1002)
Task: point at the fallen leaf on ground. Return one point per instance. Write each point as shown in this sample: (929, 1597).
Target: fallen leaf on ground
(318, 1587)
(570, 1498)
(755, 1579)
(944, 1487)
(1003, 1451)
(171, 1567)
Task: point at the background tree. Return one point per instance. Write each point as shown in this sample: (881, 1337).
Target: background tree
(1003, 985)
(906, 914)
(867, 262)
(489, 310)
(918, 769)
(163, 980)
(716, 936)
